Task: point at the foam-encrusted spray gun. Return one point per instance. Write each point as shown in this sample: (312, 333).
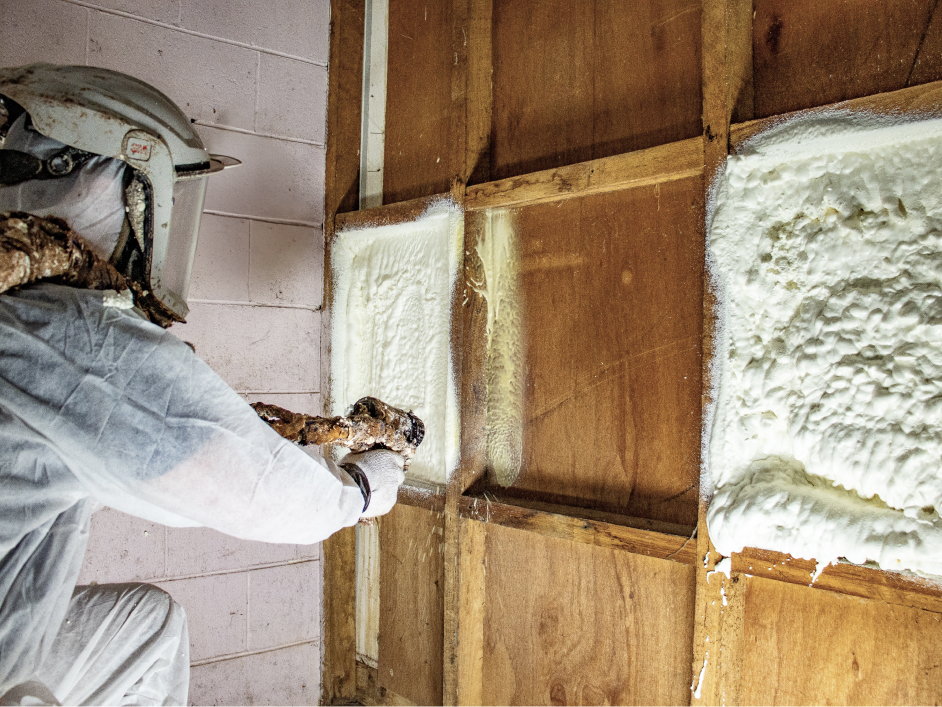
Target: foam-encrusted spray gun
(372, 424)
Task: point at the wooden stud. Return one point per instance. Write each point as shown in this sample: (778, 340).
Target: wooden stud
(341, 193)
(676, 548)
(727, 77)
(453, 490)
(470, 627)
(338, 675)
(665, 163)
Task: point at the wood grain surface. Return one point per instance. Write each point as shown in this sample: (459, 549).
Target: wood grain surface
(341, 193)
(612, 286)
(802, 646)
(808, 53)
(411, 627)
(567, 623)
(576, 81)
(676, 548)
(923, 101)
(469, 680)
(344, 106)
(728, 89)
(665, 163)
(419, 107)
(889, 587)
(369, 691)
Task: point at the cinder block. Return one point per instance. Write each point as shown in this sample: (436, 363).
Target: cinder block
(287, 264)
(277, 180)
(296, 27)
(215, 610)
(292, 98)
(122, 548)
(209, 80)
(284, 605)
(290, 676)
(161, 10)
(42, 30)
(313, 552)
(221, 268)
(257, 349)
(192, 551)
(305, 403)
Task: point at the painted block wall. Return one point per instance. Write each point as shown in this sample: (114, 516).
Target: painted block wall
(252, 75)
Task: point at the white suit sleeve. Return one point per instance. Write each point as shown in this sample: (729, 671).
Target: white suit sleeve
(148, 428)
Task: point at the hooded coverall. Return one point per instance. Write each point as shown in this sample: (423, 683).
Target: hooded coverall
(99, 406)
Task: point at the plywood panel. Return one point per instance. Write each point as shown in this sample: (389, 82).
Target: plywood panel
(567, 623)
(411, 631)
(612, 288)
(419, 100)
(806, 646)
(579, 81)
(928, 65)
(809, 53)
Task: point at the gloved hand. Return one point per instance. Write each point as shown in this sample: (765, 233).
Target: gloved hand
(383, 471)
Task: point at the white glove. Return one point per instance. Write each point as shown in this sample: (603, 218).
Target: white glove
(383, 470)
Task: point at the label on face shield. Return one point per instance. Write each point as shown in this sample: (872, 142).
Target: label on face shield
(138, 149)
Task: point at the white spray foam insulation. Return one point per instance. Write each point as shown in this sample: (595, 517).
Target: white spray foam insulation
(826, 250)
(391, 326)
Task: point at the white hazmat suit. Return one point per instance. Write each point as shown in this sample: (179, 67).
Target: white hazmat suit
(99, 406)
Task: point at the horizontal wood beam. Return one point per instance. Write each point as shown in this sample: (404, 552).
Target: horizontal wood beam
(854, 580)
(655, 165)
(388, 214)
(677, 548)
(923, 101)
(427, 496)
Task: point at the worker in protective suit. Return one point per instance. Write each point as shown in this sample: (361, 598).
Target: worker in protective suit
(99, 405)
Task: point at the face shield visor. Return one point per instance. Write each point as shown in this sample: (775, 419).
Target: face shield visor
(165, 205)
(187, 210)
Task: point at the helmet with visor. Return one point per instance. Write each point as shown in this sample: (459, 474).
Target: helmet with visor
(96, 112)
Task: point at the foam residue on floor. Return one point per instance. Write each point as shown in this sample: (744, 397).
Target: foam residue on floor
(391, 326)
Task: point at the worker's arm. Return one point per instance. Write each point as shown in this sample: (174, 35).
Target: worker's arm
(148, 428)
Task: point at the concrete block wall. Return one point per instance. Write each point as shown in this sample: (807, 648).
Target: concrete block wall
(252, 75)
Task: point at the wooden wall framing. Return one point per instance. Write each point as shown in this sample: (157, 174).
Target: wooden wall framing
(493, 563)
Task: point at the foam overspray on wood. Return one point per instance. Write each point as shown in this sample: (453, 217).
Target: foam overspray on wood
(499, 284)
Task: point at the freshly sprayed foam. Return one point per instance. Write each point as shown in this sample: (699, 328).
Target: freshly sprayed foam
(826, 249)
(391, 326)
(497, 251)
